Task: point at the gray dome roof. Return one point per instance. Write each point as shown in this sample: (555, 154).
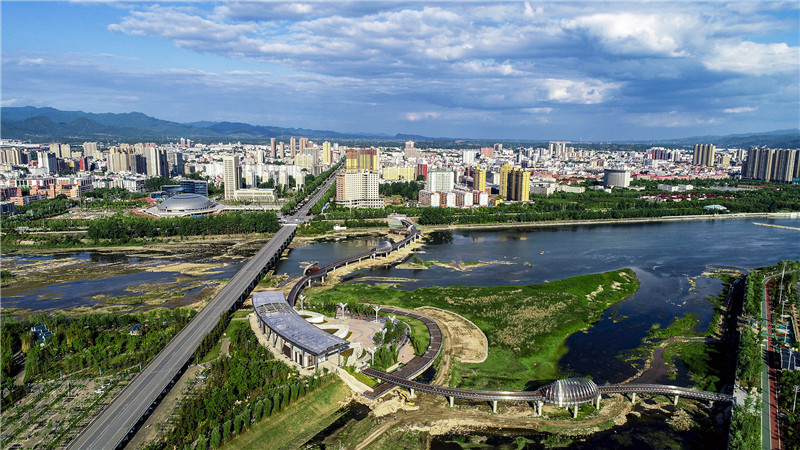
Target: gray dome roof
(186, 203)
(570, 392)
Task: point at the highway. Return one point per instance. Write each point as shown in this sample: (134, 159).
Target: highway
(118, 421)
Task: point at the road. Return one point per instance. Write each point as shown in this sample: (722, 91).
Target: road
(770, 431)
(118, 421)
(113, 425)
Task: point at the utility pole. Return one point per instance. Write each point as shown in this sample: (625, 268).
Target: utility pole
(796, 388)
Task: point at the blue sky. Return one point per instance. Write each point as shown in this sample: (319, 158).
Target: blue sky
(517, 70)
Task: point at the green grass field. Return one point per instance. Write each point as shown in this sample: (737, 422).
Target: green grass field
(526, 325)
(298, 423)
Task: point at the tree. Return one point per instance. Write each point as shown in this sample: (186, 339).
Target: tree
(215, 438)
(226, 430)
(237, 424)
(201, 443)
(258, 411)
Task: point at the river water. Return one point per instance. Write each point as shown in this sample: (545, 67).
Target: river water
(669, 259)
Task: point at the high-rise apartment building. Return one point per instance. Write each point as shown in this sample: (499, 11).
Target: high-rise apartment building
(231, 175)
(703, 155)
(361, 159)
(771, 165)
(90, 149)
(48, 161)
(272, 148)
(327, 154)
(358, 190)
(503, 182)
(156, 162)
(292, 147)
(468, 157)
(518, 185)
(175, 163)
(440, 181)
(558, 150)
(479, 179)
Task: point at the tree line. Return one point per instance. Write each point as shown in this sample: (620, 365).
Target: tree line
(124, 229)
(239, 392)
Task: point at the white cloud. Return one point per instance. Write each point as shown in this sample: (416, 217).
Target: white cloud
(9, 101)
(740, 110)
(752, 58)
(418, 116)
(584, 92)
(628, 33)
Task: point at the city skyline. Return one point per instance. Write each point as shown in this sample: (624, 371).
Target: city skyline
(508, 71)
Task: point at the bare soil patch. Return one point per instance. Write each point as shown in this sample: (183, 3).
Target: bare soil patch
(464, 340)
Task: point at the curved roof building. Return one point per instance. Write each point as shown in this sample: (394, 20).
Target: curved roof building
(185, 205)
(570, 392)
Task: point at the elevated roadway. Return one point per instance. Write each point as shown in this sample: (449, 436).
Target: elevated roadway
(118, 421)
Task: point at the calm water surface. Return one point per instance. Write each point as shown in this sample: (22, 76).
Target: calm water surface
(664, 256)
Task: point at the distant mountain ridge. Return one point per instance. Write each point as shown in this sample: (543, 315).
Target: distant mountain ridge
(43, 124)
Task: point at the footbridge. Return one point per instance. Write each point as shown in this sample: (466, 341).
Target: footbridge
(564, 393)
(318, 274)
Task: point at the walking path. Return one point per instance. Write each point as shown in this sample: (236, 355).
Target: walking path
(770, 431)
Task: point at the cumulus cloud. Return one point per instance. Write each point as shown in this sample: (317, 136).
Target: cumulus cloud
(753, 58)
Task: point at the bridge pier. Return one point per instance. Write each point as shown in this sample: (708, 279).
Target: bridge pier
(539, 409)
(598, 402)
(633, 397)
(411, 392)
(675, 401)
(575, 412)
(450, 400)
(494, 406)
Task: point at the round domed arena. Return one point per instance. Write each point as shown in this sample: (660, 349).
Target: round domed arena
(185, 205)
(570, 392)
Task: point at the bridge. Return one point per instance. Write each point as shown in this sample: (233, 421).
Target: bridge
(118, 421)
(542, 395)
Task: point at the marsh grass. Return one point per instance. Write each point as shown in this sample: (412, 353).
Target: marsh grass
(526, 325)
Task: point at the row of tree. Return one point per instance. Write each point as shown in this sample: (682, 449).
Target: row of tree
(240, 391)
(309, 188)
(123, 229)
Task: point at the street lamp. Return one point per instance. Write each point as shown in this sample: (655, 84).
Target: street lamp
(342, 307)
(302, 297)
(376, 308)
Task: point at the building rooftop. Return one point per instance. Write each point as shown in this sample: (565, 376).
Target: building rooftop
(272, 308)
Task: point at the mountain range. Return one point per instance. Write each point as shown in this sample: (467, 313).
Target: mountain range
(44, 124)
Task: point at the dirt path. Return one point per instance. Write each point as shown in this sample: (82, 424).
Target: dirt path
(464, 339)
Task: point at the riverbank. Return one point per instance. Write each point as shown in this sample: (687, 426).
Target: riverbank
(643, 220)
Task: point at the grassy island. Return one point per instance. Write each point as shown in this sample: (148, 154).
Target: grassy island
(526, 325)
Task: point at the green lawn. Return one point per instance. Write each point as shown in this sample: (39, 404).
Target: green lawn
(298, 423)
(418, 331)
(526, 325)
